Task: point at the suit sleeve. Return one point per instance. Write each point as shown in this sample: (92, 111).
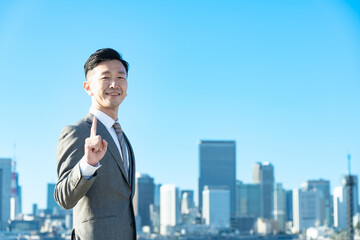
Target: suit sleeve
(71, 186)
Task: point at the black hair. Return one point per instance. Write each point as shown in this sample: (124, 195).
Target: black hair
(102, 55)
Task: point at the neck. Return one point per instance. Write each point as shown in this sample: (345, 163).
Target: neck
(110, 112)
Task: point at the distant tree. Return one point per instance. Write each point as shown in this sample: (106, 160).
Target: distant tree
(357, 226)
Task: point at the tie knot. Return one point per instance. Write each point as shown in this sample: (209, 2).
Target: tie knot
(117, 128)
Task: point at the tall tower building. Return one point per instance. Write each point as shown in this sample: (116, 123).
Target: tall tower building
(248, 200)
(15, 200)
(267, 187)
(169, 208)
(323, 187)
(280, 205)
(52, 206)
(341, 199)
(217, 168)
(216, 206)
(289, 205)
(187, 201)
(306, 209)
(263, 173)
(144, 197)
(339, 208)
(257, 173)
(5, 191)
(155, 209)
(188, 210)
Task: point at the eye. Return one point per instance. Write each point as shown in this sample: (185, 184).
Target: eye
(105, 78)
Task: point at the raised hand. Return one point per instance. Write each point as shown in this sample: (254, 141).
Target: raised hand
(95, 147)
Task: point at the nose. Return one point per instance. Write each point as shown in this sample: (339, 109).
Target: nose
(114, 84)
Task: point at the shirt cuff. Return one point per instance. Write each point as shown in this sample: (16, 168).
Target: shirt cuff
(87, 170)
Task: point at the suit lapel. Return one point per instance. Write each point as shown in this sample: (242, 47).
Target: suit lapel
(131, 164)
(112, 148)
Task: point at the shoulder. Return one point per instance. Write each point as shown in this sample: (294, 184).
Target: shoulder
(80, 129)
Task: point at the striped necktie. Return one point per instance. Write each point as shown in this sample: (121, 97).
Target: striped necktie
(122, 142)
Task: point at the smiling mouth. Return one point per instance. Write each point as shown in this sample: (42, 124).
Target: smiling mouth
(114, 94)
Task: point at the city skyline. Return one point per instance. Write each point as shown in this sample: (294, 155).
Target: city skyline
(281, 79)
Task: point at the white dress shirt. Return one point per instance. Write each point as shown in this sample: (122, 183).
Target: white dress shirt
(87, 170)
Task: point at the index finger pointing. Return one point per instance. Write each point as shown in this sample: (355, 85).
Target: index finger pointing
(93, 128)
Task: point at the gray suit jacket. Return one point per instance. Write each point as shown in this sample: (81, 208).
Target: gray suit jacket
(103, 207)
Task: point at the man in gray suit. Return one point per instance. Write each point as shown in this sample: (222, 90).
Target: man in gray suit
(96, 164)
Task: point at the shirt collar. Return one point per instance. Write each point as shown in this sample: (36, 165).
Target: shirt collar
(102, 117)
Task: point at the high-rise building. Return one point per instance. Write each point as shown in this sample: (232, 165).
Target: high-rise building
(143, 198)
(263, 173)
(155, 209)
(280, 205)
(15, 200)
(187, 201)
(323, 187)
(340, 200)
(188, 210)
(216, 206)
(248, 200)
(339, 208)
(5, 191)
(257, 173)
(306, 209)
(169, 208)
(52, 206)
(34, 209)
(217, 168)
(289, 205)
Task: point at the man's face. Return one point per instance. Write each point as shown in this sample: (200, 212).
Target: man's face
(107, 85)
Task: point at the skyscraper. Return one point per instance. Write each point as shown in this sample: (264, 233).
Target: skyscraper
(155, 209)
(169, 208)
(257, 172)
(5, 191)
(144, 197)
(188, 210)
(339, 208)
(340, 200)
(323, 187)
(289, 205)
(217, 168)
(15, 200)
(263, 173)
(52, 206)
(280, 205)
(187, 201)
(306, 209)
(216, 206)
(248, 200)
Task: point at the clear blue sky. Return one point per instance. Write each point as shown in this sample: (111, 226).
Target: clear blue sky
(282, 78)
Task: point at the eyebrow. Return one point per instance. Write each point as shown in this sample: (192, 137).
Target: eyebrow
(108, 72)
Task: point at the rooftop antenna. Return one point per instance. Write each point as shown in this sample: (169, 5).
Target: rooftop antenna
(349, 185)
(349, 163)
(13, 163)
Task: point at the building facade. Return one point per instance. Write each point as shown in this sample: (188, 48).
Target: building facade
(169, 208)
(216, 207)
(143, 198)
(217, 161)
(289, 206)
(263, 174)
(340, 200)
(5, 192)
(306, 209)
(323, 187)
(280, 206)
(248, 200)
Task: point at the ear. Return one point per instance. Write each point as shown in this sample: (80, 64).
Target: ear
(88, 88)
